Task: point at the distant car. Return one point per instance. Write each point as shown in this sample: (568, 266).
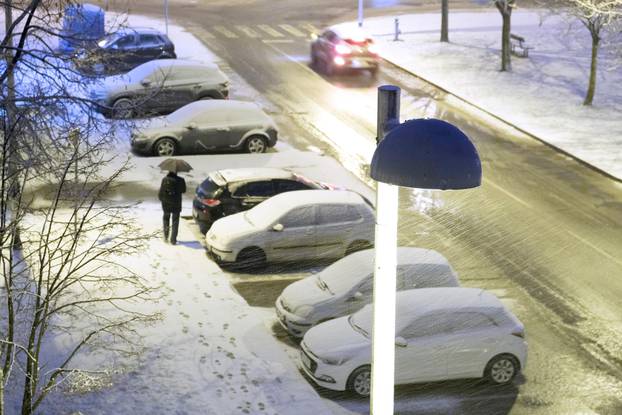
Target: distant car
(441, 334)
(294, 226)
(230, 191)
(346, 286)
(342, 47)
(205, 126)
(124, 50)
(159, 86)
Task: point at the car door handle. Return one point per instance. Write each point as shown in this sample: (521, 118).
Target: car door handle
(222, 129)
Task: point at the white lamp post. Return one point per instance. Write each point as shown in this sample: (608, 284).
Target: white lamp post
(422, 153)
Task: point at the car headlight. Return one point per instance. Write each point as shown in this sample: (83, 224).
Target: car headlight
(303, 311)
(334, 361)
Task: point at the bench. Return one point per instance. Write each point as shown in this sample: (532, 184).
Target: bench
(518, 46)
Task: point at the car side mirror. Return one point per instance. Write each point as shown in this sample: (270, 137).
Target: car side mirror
(191, 126)
(145, 82)
(278, 227)
(400, 341)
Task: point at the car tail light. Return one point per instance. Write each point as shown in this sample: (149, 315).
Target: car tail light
(343, 49)
(518, 333)
(372, 48)
(339, 60)
(210, 202)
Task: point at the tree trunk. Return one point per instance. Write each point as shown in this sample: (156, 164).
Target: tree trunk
(506, 57)
(445, 21)
(591, 89)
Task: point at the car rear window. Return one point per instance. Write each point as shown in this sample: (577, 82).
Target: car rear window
(208, 189)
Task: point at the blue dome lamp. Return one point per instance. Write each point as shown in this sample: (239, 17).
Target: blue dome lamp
(420, 153)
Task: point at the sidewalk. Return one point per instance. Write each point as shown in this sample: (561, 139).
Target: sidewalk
(543, 94)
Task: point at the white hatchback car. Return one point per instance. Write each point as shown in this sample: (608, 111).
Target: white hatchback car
(294, 226)
(346, 286)
(442, 334)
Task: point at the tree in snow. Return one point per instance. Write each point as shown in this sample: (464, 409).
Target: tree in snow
(597, 16)
(445, 21)
(505, 7)
(64, 289)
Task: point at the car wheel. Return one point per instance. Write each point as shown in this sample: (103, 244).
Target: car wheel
(255, 144)
(164, 147)
(359, 381)
(123, 108)
(329, 69)
(502, 369)
(357, 246)
(206, 98)
(313, 59)
(251, 258)
(204, 227)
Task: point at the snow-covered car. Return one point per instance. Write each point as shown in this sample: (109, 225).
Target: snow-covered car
(205, 126)
(441, 334)
(344, 47)
(294, 226)
(229, 191)
(346, 286)
(158, 86)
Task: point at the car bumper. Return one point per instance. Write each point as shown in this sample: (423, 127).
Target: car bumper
(293, 324)
(361, 62)
(201, 214)
(141, 146)
(329, 377)
(220, 256)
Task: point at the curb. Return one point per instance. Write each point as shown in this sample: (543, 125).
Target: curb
(498, 118)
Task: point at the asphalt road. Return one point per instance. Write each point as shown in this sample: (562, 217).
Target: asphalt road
(543, 231)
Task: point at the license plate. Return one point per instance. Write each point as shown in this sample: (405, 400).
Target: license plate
(305, 360)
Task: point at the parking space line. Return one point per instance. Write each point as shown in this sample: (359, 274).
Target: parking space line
(310, 28)
(247, 31)
(270, 31)
(291, 29)
(228, 33)
(501, 189)
(278, 40)
(594, 247)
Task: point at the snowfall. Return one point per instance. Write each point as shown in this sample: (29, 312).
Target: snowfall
(211, 353)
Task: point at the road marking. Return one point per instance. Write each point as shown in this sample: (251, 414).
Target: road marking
(594, 247)
(248, 31)
(310, 28)
(278, 40)
(228, 33)
(207, 34)
(270, 30)
(501, 189)
(291, 29)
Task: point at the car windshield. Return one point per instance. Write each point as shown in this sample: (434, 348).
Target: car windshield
(110, 39)
(361, 321)
(185, 113)
(343, 275)
(261, 215)
(141, 72)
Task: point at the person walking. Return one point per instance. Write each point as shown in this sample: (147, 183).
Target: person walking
(171, 189)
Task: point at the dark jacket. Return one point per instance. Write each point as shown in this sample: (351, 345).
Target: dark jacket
(171, 189)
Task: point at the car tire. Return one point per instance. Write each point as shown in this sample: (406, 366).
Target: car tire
(359, 382)
(502, 369)
(255, 144)
(123, 108)
(250, 258)
(204, 226)
(165, 147)
(357, 246)
(313, 59)
(329, 69)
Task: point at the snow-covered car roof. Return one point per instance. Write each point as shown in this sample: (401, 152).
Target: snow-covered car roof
(178, 63)
(248, 174)
(286, 201)
(238, 109)
(350, 31)
(405, 255)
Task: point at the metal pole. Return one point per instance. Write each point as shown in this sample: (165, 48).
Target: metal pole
(385, 262)
(166, 15)
(360, 19)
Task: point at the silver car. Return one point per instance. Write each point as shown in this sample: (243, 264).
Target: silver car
(159, 86)
(294, 226)
(204, 126)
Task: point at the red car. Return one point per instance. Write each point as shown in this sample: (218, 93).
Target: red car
(340, 47)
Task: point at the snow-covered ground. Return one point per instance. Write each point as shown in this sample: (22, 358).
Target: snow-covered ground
(542, 95)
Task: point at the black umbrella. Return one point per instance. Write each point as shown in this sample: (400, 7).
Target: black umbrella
(176, 165)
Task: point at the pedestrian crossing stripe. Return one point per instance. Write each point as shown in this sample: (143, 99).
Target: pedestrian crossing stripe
(229, 34)
(291, 29)
(270, 30)
(310, 28)
(248, 31)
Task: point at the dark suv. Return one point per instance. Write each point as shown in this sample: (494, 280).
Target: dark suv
(124, 50)
(230, 191)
